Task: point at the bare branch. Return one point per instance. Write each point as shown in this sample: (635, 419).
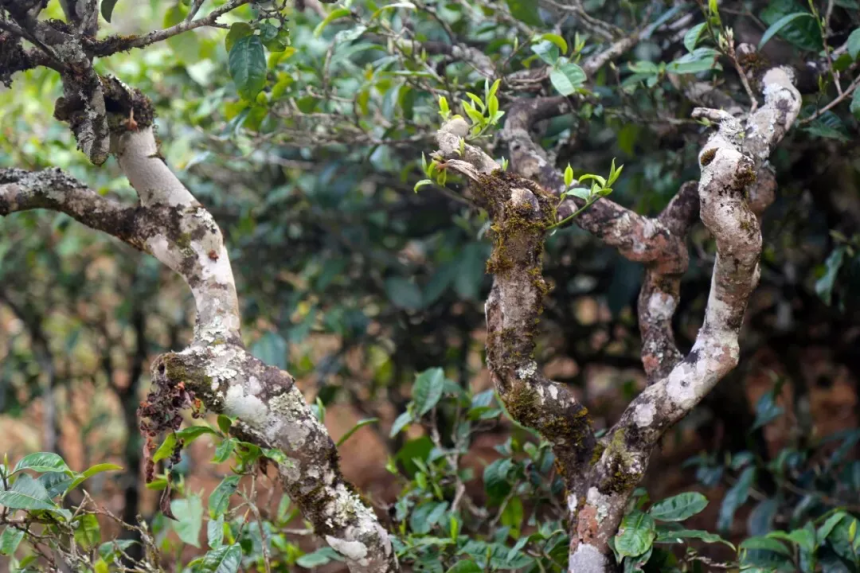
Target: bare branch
(114, 44)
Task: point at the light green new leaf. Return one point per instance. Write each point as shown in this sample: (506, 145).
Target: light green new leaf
(96, 469)
(219, 499)
(165, 450)
(189, 513)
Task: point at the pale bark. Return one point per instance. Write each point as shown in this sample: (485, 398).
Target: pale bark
(270, 410)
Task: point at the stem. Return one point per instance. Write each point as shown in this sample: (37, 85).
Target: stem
(588, 203)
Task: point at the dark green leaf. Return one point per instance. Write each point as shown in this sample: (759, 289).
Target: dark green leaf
(247, 63)
(525, 11)
(10, 540)
(801, 32)
(766, 410)
(853, 44)
(677, 535)
(466, 567)
(219, 499)
(679, 507)
(271, 348)
(824, 285)
(403, 293)
(237, 31)
(777, 26)
(428, 390)
(107, 8)
(55, 483)
(496, 479)
(735, 498)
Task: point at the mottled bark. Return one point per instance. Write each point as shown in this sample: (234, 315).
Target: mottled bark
(735, 187)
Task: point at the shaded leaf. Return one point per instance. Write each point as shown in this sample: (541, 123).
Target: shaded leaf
(427, 390)
(679, 507)
(188, 513)
(26, 493)
(247, 64)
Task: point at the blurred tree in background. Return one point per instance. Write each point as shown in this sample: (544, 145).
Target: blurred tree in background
(301, 126)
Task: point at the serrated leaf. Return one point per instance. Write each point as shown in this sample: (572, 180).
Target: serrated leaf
(247, 64)
(783, 22)
(87, 531)
(567, 77)
(215, 532)
(26, 493)
(42, 462)
(226, 559)
(691, 38)
(636, 534)
(107, 8)
(10, 539)
(219, 499)
(427, 390)
(679, 507)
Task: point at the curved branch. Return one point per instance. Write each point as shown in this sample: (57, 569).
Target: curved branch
(729, 161)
